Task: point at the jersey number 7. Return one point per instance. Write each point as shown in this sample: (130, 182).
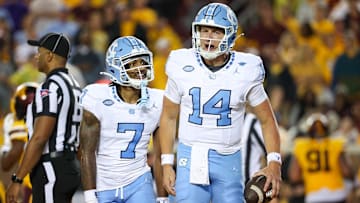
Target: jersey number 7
(138, 128)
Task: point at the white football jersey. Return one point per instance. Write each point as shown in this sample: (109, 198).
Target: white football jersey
(125, 131)
(212, 100)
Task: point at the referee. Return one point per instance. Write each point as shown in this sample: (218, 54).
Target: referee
(53, 121)
(253, 146)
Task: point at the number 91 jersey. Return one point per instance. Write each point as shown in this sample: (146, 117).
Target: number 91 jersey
(125, 131)
(212, 104)
(319, 162)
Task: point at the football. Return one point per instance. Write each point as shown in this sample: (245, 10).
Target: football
(254, 192)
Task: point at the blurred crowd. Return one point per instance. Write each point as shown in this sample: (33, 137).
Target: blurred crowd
(310, 48)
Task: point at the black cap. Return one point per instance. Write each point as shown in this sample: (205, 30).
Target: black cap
(55, 42)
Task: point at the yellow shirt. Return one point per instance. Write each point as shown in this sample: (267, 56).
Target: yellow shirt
(319, 162)
(160, 79)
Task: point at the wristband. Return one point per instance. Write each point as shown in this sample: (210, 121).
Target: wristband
(89, 196)
(273, 156)
(162, 200)
(167, 159)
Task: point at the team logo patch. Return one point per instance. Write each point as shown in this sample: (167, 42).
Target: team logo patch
(108, 102)
(188, 68)
(183, 162)
(44, 92)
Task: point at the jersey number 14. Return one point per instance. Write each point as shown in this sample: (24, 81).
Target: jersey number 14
(218, 104)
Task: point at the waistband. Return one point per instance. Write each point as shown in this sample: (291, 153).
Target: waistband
(61, 154)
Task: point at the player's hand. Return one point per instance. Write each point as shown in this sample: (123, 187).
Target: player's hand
(273, 177)
(169, 179)
(12, 193)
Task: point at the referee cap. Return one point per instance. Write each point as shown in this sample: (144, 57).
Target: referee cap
(57, 43)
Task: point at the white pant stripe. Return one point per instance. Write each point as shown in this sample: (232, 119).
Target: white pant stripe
(49, 187)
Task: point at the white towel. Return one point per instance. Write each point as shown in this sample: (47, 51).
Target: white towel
(199, 167)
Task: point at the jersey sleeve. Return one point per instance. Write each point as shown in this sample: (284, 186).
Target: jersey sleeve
(255, 93)
(172, 90)
(8, 122)
(298, 147)
(157, 95)
(18, 131)
(88, 100)
(47, 98)
(252, 73)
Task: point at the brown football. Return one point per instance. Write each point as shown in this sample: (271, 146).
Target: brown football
(254, 192)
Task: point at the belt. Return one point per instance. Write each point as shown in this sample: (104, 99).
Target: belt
(60, 154)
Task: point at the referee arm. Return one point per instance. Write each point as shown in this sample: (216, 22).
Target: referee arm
(43, 127)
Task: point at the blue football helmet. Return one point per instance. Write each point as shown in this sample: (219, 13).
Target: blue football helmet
(124, 51)
(220, 16)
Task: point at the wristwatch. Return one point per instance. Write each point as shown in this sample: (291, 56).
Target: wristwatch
(16, 179)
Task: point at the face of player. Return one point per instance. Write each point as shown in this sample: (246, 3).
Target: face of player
(318, 130)
(137, 69)
(210, 37)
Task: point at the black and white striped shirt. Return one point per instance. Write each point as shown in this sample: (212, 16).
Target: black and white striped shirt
(58, 97)
(253, 147)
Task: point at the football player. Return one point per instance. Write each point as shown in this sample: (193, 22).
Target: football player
(117, 124)
(319, 162)
(15, 131)
(208, 87)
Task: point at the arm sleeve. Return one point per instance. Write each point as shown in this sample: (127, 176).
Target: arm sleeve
(172, 92)
(256, 95)
(48, 98)
(88, 102)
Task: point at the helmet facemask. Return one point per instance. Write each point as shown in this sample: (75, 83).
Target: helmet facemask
(136, 75)
(218, 16)
(130, 63)
(206, 52)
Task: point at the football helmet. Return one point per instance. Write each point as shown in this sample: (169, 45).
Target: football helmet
(220, 16)
(317, 125)
(122, 52)
(23, 95)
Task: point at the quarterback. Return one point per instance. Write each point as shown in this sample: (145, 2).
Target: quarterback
(208, 87)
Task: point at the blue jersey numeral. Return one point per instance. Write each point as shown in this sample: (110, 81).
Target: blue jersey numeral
(219, 104)
(138, 128)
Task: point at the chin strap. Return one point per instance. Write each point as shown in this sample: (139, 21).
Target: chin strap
(143, 101)
(240, 35)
